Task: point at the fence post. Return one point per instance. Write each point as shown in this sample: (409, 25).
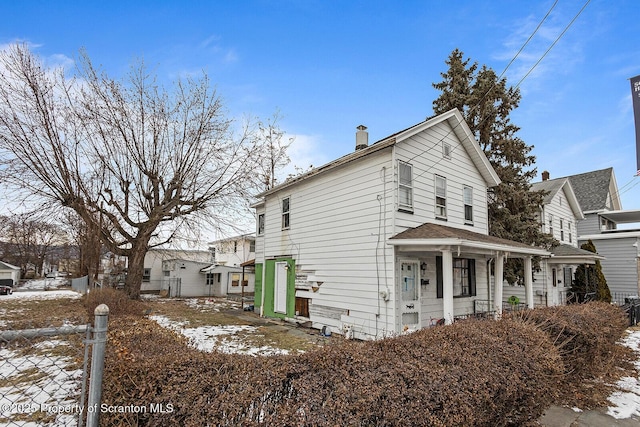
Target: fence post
(97, 364)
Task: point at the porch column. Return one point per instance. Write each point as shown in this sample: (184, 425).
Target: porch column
(498, 280)
(447, 286)
(528, 282)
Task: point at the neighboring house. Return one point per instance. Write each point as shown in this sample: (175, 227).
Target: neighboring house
(391, 237)
(234, 251)
(155, 278)
(9, 272)
(223, 280)
(598, 195)
(558, 216)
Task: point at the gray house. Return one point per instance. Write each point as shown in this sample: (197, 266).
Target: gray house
(598, 195)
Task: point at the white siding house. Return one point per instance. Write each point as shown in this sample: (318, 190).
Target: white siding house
(599, 197)
(559, 216)
(391, 237)
(155, 277)
(9, 272)
(234, 251)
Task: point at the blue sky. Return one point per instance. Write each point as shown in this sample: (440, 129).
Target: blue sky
(329, 66)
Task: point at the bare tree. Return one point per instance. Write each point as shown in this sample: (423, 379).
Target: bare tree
(275, 156)
(28, 239)
(133, 160)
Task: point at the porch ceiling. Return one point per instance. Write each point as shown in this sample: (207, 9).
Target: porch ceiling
(435, 237)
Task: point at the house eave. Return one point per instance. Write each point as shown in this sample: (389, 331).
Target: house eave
(468, 244)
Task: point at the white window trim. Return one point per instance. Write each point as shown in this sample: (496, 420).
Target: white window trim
(407, 186)
(437, 207)
(286, 214)
(260, 230)
(465, 204)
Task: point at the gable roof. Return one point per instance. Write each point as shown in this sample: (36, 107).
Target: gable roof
(7, 266)
(593, 188)
(458, 126)
(553, 187)
(438, 235)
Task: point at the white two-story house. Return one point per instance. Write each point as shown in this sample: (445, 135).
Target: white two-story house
(391, 237)
(559, 215)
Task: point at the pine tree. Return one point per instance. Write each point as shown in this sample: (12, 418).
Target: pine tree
(589, 281)
(486, 102)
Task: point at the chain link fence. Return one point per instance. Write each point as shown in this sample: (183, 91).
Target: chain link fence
(45, 378)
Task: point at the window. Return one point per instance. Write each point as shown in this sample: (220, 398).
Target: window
(467, 194)
(561, 230)
(166, 273)
(569, 230)
(551, 224)
(464, 277)
(209, 279)
(213, 278)
(446, 150)
(441, 197)
(235, 246)
(260, 224)
(235, 279)
(252, 246)
(286, 207)
(405, 186)
(146, 275)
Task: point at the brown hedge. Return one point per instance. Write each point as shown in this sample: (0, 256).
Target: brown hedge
(118, 302)
(584, 334)
(480, 373)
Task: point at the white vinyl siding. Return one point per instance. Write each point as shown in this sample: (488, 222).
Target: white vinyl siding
(441, 197)
(405, 186)
(460, 171)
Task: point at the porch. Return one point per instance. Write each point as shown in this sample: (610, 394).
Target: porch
(460, 263)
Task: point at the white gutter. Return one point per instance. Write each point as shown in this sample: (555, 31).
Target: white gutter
(470, 244)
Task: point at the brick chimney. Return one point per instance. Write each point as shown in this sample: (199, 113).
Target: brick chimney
(362, 138)
(545, 175)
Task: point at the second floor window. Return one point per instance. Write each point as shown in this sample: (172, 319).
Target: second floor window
(286, 207)
(260, 224)
(441, 197)
(561, 230)
(467, 194)
(569, 231)
(405, 186)
(551, 225)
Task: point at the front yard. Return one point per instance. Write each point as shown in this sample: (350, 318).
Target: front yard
(204, 324)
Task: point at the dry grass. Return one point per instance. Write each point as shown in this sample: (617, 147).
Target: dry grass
(27, 313)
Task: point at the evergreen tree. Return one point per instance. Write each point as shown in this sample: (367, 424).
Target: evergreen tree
(486, 102)
(589, 282)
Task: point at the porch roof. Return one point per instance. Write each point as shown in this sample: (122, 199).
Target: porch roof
(566, 254)
(436, 235)
(218, 268)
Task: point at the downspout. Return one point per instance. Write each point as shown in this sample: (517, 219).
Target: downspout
(489, 262)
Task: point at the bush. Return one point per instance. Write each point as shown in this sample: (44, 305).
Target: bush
(470, 373)
(118, 302)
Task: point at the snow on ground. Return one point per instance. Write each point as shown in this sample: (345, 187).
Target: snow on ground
(228, 339)
(40, 295)
(38, 381)
(43, 284)
(626, 402)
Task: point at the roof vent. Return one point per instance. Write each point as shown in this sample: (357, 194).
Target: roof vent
(362, 137)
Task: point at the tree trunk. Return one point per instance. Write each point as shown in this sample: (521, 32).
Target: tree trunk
(135, 270)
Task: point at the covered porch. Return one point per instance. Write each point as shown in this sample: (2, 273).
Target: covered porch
(444, 273)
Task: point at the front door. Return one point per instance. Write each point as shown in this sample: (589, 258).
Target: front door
(410, 295)
(280, 291)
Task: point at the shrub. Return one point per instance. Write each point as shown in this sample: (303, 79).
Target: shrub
(470, 373)
(117, 301)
